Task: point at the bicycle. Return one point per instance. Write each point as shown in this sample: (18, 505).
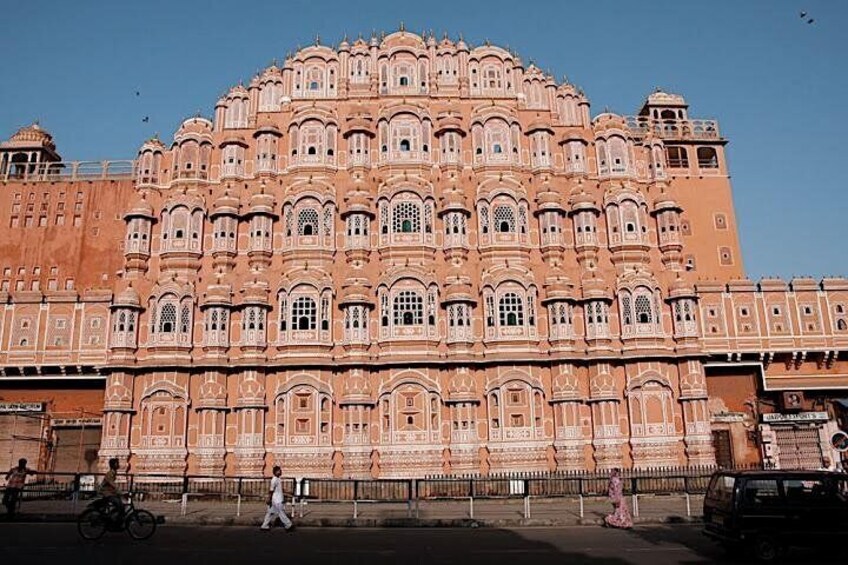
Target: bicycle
(98, 518)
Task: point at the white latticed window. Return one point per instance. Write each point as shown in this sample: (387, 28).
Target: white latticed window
(307, 222)
(216, 327)
(559, 318)
(511, 310)
(168, 318)
(171, 321)
(504, 219)
(253, 326)
(408, 307)
(406, 218)
(123, 328)
(304, 314)
(597, 319)
(356, 323)
(684, 317)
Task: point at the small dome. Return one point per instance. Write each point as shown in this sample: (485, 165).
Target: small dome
(539, 125)
(217, 294)
(403, 38)
(233, 139)
(153, 144)
(127, 298)
(662, 98)
(33, 135)
(548, 199)
(356, 291)
(681, 289)
(196, 125)
(458, 287)
(261, 203)
(607, 121)
(357, 201)
(558, 287)
(225, 205)
(582, 200)
(255, 292)
(453, 199)
(594, 288)
(141, 209)
(238, 91)
(665, 202)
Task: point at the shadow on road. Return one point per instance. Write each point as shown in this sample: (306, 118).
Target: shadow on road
(41, 543)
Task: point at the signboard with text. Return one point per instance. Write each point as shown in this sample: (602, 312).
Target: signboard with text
(18, 407)
(778, 418)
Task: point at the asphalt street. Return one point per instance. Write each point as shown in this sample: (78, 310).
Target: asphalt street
(37, 544)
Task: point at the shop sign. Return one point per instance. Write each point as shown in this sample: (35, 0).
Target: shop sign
(88, 483)
(17, 407)
(76, 422)
(728, 418)
(778, 418)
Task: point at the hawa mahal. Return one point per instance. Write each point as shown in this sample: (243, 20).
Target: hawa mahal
(402, 257)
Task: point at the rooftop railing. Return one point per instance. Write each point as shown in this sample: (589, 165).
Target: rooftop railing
(69, 171)
(673, 129)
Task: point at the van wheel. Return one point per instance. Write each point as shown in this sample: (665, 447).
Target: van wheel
(767, 548)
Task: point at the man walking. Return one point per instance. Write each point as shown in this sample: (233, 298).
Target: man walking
(275, 503)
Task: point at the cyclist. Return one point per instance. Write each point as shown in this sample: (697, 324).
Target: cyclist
(111, 502)
(15, 479)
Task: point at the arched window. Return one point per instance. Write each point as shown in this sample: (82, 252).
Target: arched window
(644, 314)
(168, 318)
(304, 314)
(403, 81)
(707, 158)
(406, 217)
(511, 310)
(408, 308)
(841, 325)
(504, 219)
(307, 222)
(404, 145)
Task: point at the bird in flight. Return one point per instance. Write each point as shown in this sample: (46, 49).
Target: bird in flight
(803, 15)
(137, 93)
(146, 119)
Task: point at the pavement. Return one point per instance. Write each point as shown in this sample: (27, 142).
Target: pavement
(492, 513)
(212, 545)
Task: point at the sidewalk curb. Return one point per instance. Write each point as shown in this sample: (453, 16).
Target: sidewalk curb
(378, 522)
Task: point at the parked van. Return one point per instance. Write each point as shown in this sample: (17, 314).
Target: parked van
(770, 511)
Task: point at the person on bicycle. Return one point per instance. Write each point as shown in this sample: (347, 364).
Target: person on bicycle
(15, 480)
(109, 492)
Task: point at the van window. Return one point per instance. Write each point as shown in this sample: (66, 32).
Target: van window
(720, 492)
(760, 492)
(806, 491)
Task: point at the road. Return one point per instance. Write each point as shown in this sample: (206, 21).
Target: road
(59, 544)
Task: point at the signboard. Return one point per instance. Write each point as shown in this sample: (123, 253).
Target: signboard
(17, 407)
(76, 422)
(88, 483)
(778, 418)
(839, 441)
(728, 417)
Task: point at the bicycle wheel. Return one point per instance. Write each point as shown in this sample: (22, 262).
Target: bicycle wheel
(140, 524)
(91, 524)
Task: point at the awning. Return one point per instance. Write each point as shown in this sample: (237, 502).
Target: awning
(841, 402)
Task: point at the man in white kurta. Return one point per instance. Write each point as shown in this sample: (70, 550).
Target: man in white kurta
(275, 502)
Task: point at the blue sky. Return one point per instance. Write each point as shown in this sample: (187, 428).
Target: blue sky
(778, 86)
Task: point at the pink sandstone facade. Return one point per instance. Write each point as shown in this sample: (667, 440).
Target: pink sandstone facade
(407, 257)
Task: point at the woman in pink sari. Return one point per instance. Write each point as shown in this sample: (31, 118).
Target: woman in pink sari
(620, 517)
